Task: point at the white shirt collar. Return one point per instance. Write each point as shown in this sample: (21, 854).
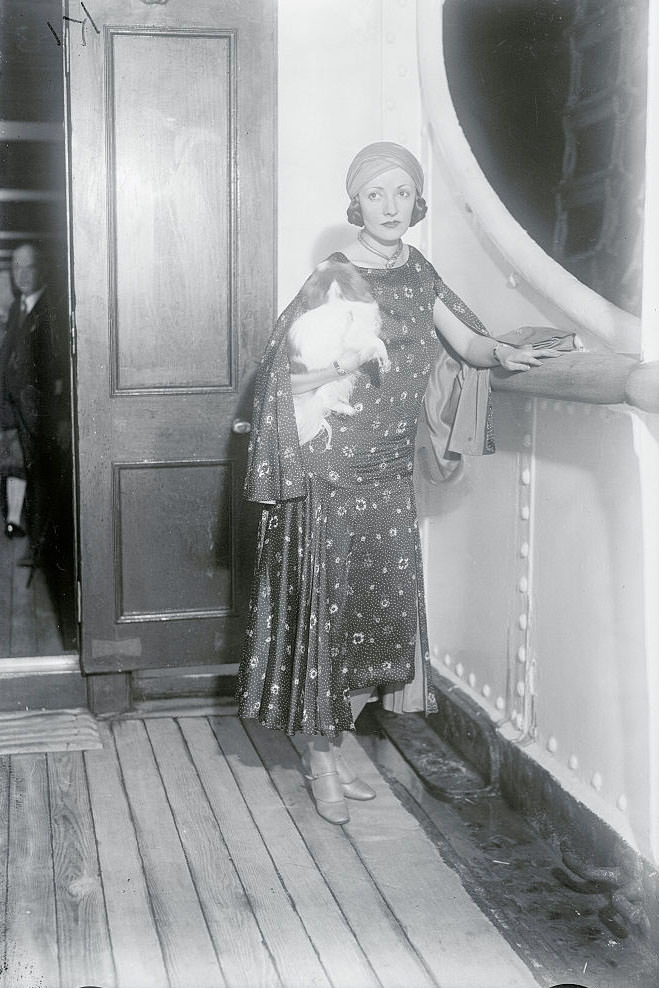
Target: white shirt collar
(31, 300)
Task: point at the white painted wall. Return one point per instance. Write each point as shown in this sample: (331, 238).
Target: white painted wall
(347, 76)
(534, 562)
(533, 574)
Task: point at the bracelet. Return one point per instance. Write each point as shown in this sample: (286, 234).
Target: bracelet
(494, 352)
(339, 370)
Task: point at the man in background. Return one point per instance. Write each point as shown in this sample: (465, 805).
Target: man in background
(12, 474)
(34, 383)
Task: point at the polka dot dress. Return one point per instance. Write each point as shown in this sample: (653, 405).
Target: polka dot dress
(337, 599)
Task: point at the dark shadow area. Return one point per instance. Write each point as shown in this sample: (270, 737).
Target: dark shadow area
(551, 97)
(35, 357)
(511, 869)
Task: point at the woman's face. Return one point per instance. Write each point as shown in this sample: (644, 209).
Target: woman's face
(387, 203)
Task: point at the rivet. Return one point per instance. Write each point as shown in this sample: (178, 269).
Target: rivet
(499, 703)
(523, 621)
(521, 654)
(573, 762)
(552, 745)
(435, 650)
(596, 781)
(447, 659)
(512, 280)
(523, 584)
(527, 440)
(459, 669)
(486, 690)
(557, 406)
(525, 513)
(402, 70)
(391, 104)
(472, 679)
(390, 38)
(521, 688)
(518, 720)
(524, 550)
(528, 405)
(544, 404)
(526, 477)
(621, 803)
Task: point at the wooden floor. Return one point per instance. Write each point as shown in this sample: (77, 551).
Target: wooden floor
(28, 621)
(187, 852)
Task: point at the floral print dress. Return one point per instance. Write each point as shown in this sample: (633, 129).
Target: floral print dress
(337, 600)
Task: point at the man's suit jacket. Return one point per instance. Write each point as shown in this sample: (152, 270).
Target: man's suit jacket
(34, 375)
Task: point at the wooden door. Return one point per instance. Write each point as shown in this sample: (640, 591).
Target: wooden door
(171, 137)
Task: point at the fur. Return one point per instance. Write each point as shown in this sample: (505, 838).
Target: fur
(342, 315)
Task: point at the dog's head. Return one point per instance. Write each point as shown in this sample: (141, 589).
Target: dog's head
(335, 279)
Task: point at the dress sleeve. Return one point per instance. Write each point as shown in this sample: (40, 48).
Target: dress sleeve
(458, 402)
(275, 471)
(455, 305)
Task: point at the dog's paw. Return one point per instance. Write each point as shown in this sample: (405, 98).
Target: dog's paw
(344, 408)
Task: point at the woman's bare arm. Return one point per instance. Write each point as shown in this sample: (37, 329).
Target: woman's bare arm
(310, 380)
(304, 381)
(483, 351)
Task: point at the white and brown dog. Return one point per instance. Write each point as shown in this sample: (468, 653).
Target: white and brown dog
(342, 315)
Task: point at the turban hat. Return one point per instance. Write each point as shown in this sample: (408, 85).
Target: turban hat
(375, 159)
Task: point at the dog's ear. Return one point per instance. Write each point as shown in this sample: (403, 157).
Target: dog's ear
(315, 287)
(353, 286)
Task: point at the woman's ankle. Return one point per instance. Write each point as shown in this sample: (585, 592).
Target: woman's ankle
(319, 756)
(343, 768)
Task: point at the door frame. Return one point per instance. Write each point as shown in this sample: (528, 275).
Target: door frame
(118, 691)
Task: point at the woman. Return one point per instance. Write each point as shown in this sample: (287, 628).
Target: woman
(337, 608)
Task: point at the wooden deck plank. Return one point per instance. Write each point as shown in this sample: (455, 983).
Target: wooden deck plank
(49, 640)
(135, 945)
(52, 730)
(376, 928)
(229, 917)
(457, 943)
(294, 956)
(31, 921)
(85, 954)
(187, 947)
(6, 587)
(23, 625)
(336, 944)
(4, 848)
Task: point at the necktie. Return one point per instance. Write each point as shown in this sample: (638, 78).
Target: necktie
(23, 311)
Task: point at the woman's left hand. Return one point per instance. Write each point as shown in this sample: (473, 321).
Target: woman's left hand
(521, 358)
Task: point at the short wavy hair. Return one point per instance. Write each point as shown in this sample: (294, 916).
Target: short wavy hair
(354, 211)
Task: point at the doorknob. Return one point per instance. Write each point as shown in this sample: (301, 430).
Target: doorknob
(241, 427)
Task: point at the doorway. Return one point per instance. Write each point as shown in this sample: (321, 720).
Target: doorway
(37, 541)
(170, 212)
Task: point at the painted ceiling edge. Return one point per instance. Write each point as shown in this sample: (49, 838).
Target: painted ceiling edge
(518, 251)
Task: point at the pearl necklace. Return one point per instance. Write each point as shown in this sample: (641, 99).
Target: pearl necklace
(390, 260)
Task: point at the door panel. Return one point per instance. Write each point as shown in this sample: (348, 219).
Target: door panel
(172, 140)
(171, 186)
(189, 571)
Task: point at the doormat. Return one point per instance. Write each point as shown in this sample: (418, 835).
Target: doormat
(32, 731)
